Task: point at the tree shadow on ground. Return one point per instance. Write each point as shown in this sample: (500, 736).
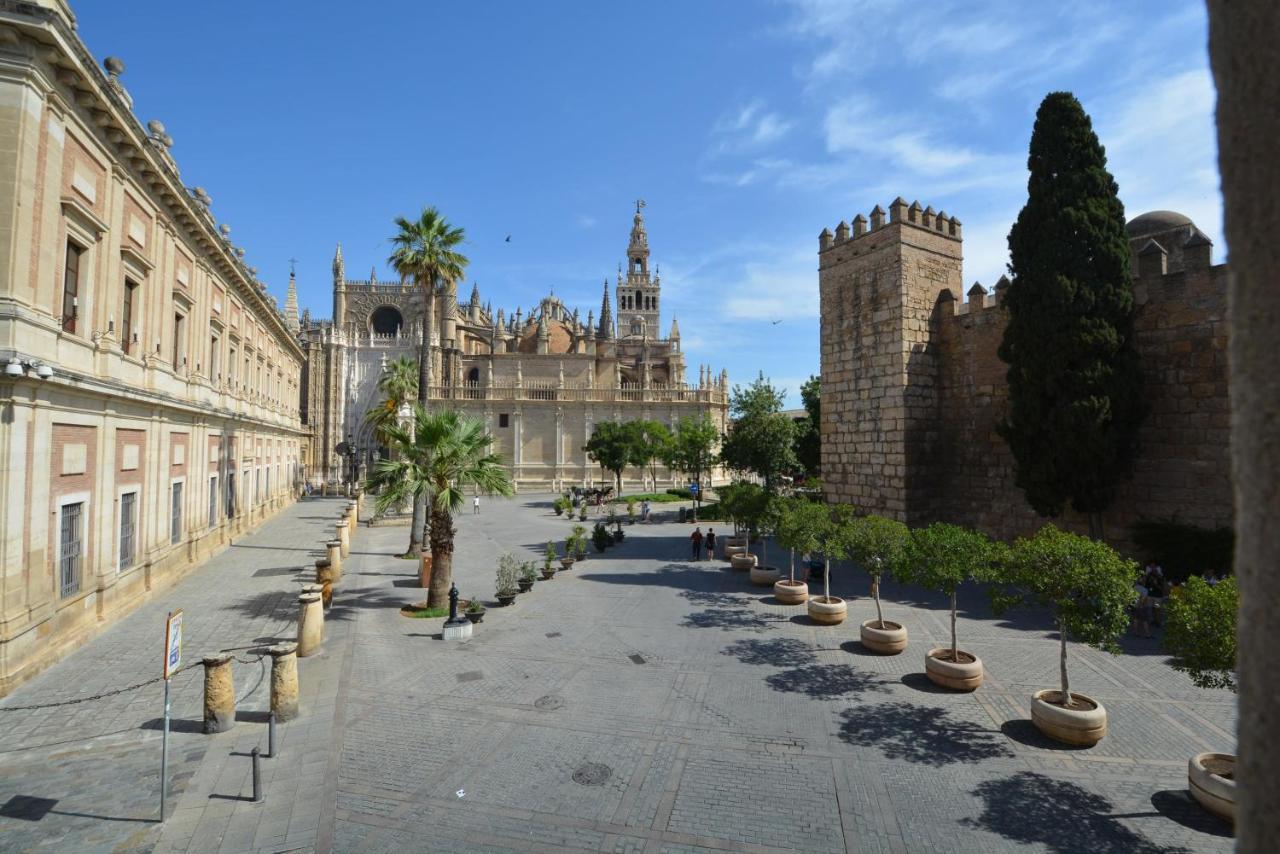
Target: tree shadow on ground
(712, 597)
(1177, 805)
(825, 681)
(728, 619)
(922, 734)
(922, 683)
(779, 652)
(1032, 808)
(1024, 732)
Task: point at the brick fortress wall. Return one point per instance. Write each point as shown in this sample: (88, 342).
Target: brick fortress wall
(941, 410)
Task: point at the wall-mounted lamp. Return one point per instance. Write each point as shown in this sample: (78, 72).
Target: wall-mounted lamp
(14, 368)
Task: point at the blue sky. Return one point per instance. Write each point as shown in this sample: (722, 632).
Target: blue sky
(748, 127)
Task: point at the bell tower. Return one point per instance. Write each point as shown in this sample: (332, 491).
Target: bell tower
(637, 291)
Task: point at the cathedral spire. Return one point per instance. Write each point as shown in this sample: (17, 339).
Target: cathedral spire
(339, 266)
(291, 305)
(606, 314)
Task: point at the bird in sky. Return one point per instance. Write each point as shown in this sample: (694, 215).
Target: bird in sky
(508, 238)
(775, 323)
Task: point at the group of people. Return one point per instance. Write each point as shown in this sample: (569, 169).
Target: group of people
(697, 539)
(1153, 588)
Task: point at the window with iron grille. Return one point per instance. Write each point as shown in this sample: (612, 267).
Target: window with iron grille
(128, 524)
(71, 288)
(231, 494)
(213, 500)
(175, 515)
(69, 555)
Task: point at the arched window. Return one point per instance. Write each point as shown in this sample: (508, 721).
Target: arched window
(385, 321)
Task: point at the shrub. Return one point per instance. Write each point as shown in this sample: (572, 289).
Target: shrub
(1184, 550)
(600, 537)
(942, 557)
(526, 572)
(1200, 631)
(879, 546)
(681, 493)
(508, 573)
(549, 554)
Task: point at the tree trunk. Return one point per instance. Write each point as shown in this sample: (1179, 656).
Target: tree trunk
(793, 566)
(955, 654)
(826, 579)
(875, 594)
(1244, 48)
(1062, 665)
(418, 524)
(441, 558)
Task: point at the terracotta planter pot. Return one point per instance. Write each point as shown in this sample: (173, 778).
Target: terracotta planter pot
(827, 610)
(791, 594)
(743, 562)
(957, 675)
(890, 640)
(1212, 783)
(1082, 726)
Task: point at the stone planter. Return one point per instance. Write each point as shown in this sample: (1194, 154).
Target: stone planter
(962, 675)
(1085, 725)
(548, 573)
(526, 586)
(791, 592)
(730, 552)
(1212, 781)
(764, 576)
(742, 562)
(566, 563)
(890, 640)
(505, 599)
(475, 616)
(736, 541)
(827, 610)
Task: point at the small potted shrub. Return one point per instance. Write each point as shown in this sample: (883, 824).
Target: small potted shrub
(618, 535)
(508, 580)
(942, 557)
(878, 545)
(567, 561)
(1089, 589)
(1200, 632)
(582, 512)
(600, 537)
(765, 516)
(548, 561)
(829, 529)
(560, 505)
(580, 542)
(631, 510)
(475, 611)
(527, 577)
(794, 532)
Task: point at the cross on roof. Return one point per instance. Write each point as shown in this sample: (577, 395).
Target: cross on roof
(292, 263)
(639, 205)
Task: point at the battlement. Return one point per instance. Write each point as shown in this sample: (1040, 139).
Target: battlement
(979, 299)
(899, 213)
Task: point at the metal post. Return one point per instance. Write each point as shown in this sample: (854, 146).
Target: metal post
(257, 775)
(164, 752)
(453, 603)
(271, 736)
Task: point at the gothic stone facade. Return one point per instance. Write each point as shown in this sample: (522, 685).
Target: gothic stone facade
(148, 385)
(540, 381)
(912, 387)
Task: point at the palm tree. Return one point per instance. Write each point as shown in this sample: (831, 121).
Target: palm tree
(426, 255)
(399, 383)
(443, 454)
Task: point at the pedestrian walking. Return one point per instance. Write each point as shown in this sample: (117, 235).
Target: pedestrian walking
(711, 544)
(475, 506)
(696, 539)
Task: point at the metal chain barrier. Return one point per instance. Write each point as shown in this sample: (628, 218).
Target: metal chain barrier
(124, 690)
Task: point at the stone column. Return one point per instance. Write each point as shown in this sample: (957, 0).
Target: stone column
(1244, 47)
(284, 681)
(344, 542)
(350, 525)
(310, 624)
(219, 694)
(333, 550)
(354, 506)
(324, 571)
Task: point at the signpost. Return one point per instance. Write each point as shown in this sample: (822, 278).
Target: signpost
(172, 663)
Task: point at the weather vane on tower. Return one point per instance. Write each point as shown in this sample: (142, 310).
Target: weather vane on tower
(639, 205)
(292, 263)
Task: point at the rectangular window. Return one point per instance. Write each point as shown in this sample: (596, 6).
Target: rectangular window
(215, 357)
(213, 500)
(179, 342)
(175, 515)
(126, 315)
(69, 555)
(128, 524)
(231, 365)
(231, 494)
(71, 288)
(504, 420)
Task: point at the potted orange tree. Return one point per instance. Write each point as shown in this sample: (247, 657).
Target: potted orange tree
(879, 545)
(829, 530)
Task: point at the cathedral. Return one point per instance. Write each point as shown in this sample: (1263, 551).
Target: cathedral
(541, 381)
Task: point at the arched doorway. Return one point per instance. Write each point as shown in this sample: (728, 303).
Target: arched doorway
(386, 321)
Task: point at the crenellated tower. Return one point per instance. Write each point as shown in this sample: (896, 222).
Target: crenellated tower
(637, 290)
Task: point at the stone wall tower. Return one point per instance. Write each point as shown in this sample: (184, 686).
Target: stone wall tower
(878, 283)
(638, 292)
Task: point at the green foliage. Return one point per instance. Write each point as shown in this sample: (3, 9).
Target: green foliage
(802, 525)
(508, 575)
(656, 497)
(761, 439)
(942, 557)
(426, 613)
(398, 384)
(1185, 550)
(1075, 382)
(579, 540)
(878, 545)
(600, 537)
(742, 503)
(1087, 585)
(808, 442)
(549, 555)
(527, 573)
(651, 444)
(1200, 631)
(475, 607)
(679, 493)
(691, 451)
(613, 445)
(562, 505)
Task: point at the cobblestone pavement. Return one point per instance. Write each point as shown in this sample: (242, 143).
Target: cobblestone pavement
(638, 702)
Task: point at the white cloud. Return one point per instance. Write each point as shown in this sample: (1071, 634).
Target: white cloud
(585, 221)
(749, 127)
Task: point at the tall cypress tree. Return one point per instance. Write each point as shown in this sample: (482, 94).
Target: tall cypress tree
(1075, 382)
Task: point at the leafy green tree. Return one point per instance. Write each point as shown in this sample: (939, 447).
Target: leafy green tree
(1086, 585)
(652, 446)
(1075, 382)
(692, 452)
(761, 439)
(795, 530)
(942, 557)
(426, 255)
(613, 446)
(1200, 631)
(398, 384)
(879, 546)
(437, 458)
(809, 431)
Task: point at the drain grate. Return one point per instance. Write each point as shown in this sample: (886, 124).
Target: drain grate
(592, 774)
(636, 658)
(470, 676)
(549, 703)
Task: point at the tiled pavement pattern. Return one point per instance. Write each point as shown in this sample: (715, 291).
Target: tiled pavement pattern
(714, 718)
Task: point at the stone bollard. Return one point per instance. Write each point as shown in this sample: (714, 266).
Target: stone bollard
(310, 623)
(333, 552)
(219, 694)
(284, 681)
(324, 571)
(354, 507)
(343, 538)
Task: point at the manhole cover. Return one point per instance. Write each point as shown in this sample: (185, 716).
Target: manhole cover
(548, 703)
(592, 774)
(470, 676)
